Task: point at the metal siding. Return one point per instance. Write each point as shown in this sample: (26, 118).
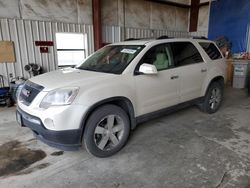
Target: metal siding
(24, 32)
(199, 33)
(113, 34)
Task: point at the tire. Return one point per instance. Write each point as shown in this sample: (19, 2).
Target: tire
(106, 131)
(213, 98)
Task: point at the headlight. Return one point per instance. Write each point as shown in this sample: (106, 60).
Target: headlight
(18, 91)
(59, 97)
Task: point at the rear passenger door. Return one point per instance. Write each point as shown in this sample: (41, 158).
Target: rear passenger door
(192, 69)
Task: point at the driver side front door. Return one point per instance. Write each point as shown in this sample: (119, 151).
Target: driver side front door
(156, 92)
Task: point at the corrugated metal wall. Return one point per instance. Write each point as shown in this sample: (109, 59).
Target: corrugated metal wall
(113, 34)
(25, 32)
(199, 34)
(153, 33)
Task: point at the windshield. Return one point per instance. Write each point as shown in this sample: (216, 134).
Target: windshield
(111, 59)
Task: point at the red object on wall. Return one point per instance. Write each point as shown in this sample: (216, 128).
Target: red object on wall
(44, 49)
(44, 43)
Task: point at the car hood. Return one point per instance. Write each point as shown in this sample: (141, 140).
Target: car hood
(69, 77)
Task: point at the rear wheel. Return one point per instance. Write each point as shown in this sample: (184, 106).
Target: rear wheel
(106, 131)
(213, 98)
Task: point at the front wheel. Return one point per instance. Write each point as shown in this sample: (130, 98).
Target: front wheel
(213, 98)
(106, 131)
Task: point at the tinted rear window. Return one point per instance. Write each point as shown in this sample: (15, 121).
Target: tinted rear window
(211, 50)
(185, 53)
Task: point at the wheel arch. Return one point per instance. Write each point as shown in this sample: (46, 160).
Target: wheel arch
(122, 102)
(220, 79)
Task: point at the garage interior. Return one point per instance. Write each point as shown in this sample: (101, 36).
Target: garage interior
(187, 148)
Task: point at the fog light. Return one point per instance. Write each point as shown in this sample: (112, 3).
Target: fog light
(49, 123)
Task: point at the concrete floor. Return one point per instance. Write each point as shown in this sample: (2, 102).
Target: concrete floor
(184, 149)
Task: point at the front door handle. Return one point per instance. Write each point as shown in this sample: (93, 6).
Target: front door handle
(174, 77)
(203, 70)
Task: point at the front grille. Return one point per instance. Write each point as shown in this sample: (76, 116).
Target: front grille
(29, 91)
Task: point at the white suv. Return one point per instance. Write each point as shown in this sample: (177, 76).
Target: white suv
(97, 103)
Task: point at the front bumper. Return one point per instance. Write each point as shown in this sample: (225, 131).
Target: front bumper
(63, 139)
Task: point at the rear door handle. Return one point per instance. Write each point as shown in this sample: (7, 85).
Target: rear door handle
(174, 77)
(203, 70)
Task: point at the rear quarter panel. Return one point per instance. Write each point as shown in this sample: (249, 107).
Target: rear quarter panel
(216, 68)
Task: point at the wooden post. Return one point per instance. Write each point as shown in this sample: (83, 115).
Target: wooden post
(97, 25)
(194, 13)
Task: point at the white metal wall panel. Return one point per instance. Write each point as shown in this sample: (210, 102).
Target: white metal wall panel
(113, 34)
(24, 33)
(153, 33)
(138, 33)
(199, 33)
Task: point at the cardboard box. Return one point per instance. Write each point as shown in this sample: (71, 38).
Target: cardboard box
(7, 53)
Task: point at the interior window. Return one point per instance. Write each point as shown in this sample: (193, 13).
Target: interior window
(211, 50)
(70, 48)
(160, 56)
(185, 53)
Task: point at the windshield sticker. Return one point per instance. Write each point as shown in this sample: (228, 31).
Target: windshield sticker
(128, 51)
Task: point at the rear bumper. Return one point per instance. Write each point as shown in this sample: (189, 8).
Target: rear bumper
(65, 140)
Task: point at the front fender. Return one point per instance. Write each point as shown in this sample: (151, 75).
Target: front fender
(120, 87)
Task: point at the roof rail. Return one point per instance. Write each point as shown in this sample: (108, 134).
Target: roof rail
(163, 37)
(129, 39)
(200, 37)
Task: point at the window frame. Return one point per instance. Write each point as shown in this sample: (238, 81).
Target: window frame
(203, 61)
(70, 49)
(136, 71)
(118, 45)
(221, 55)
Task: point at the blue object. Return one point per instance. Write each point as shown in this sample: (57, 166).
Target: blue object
(4, 91)
(5, 97)
(230, 18)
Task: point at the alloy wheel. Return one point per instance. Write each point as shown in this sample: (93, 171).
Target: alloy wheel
(109, 132)
(215, 98)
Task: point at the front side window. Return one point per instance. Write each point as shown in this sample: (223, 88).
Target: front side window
(111, 59)
(211, 50)
(160, 56)
(185, 53)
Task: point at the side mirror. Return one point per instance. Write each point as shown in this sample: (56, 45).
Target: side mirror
(148, 69)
